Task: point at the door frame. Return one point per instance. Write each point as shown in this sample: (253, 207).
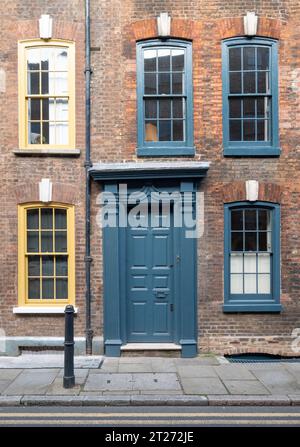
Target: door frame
(173, 274)
(114, 281)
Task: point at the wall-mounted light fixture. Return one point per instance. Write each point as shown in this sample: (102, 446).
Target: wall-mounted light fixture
(250, 24)
(45, 26)
(164, 24)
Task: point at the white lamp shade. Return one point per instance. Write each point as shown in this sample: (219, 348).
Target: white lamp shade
(250, 24)
(45, 26)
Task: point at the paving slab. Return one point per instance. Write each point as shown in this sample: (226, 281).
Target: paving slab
(135, 367)
(29, 361)
(9, 374)
(245, 387)
(196, 371)
(156, 381)
(56, 388)
(234, 372)
(32, 382)
(163, 365)
(80, 375)
(4, 384)
(278, 381)
(108, 382)
(202, 386)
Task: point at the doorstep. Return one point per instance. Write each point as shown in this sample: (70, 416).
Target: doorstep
(151, 349)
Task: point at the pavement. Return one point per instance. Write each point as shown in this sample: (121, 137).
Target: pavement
(148, 381)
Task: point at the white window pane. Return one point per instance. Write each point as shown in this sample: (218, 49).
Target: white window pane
(62, 133)
(61, 62)
(250, 263)
(51, 80)
(250, 283)
(33, 59)
(51, 133)
(236, 263)
(51, 109)
(48, 58)
(264, 283)
(62, 110)
(264, 261)
(236, 284)
(61, 84)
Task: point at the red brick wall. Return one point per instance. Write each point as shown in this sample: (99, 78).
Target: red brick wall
(114, 106)
(20, 175)
(116, 25)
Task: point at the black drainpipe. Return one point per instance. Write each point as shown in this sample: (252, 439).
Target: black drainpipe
(88, 164)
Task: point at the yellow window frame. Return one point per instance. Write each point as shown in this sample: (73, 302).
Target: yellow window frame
(22, 72)
(22, 255)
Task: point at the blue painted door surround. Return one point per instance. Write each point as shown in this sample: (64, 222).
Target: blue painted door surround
(150, 278)
(150, 300)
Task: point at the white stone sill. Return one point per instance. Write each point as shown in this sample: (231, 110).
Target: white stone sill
(40, 310)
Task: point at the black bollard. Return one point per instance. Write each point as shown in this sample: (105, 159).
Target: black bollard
(69, 377)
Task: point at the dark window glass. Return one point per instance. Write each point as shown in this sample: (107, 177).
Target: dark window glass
(235, 107)
(33, 83)
(249, 58)
(235, 83)
(32, 241)
(165, 130)
(178, 130)
(34, 133)
(177, 60)
(263, 241)
(62, 289)
(250, 219)
(236, 241)
(150, 108)
(165, 108)
(235, 59)
(33, 266)
(164, 86)
(32, 219)
(60, 241)
(237, 220)
(60, 219)
(47, 266)
(178, 107)
(250, 241)
(163, 57)
(61, 266)
(150, 84)
(177, 83)
(249, 82)
(47, 241)
(249, 130)
(47, 218)
(33, 289)
(263, 62)
(263, 82)
(249, 107)
(235, 132)
(47, 289)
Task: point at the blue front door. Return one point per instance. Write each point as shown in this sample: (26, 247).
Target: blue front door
(150, 306)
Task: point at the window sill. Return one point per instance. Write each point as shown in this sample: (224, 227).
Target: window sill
(41, 310)
(47, 152)
(165, 151)
(252, 308)
(252, 151)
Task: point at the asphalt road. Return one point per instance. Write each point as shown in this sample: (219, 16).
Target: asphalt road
(168, 417)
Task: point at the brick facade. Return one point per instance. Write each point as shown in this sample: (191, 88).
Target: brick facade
(116, 25)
